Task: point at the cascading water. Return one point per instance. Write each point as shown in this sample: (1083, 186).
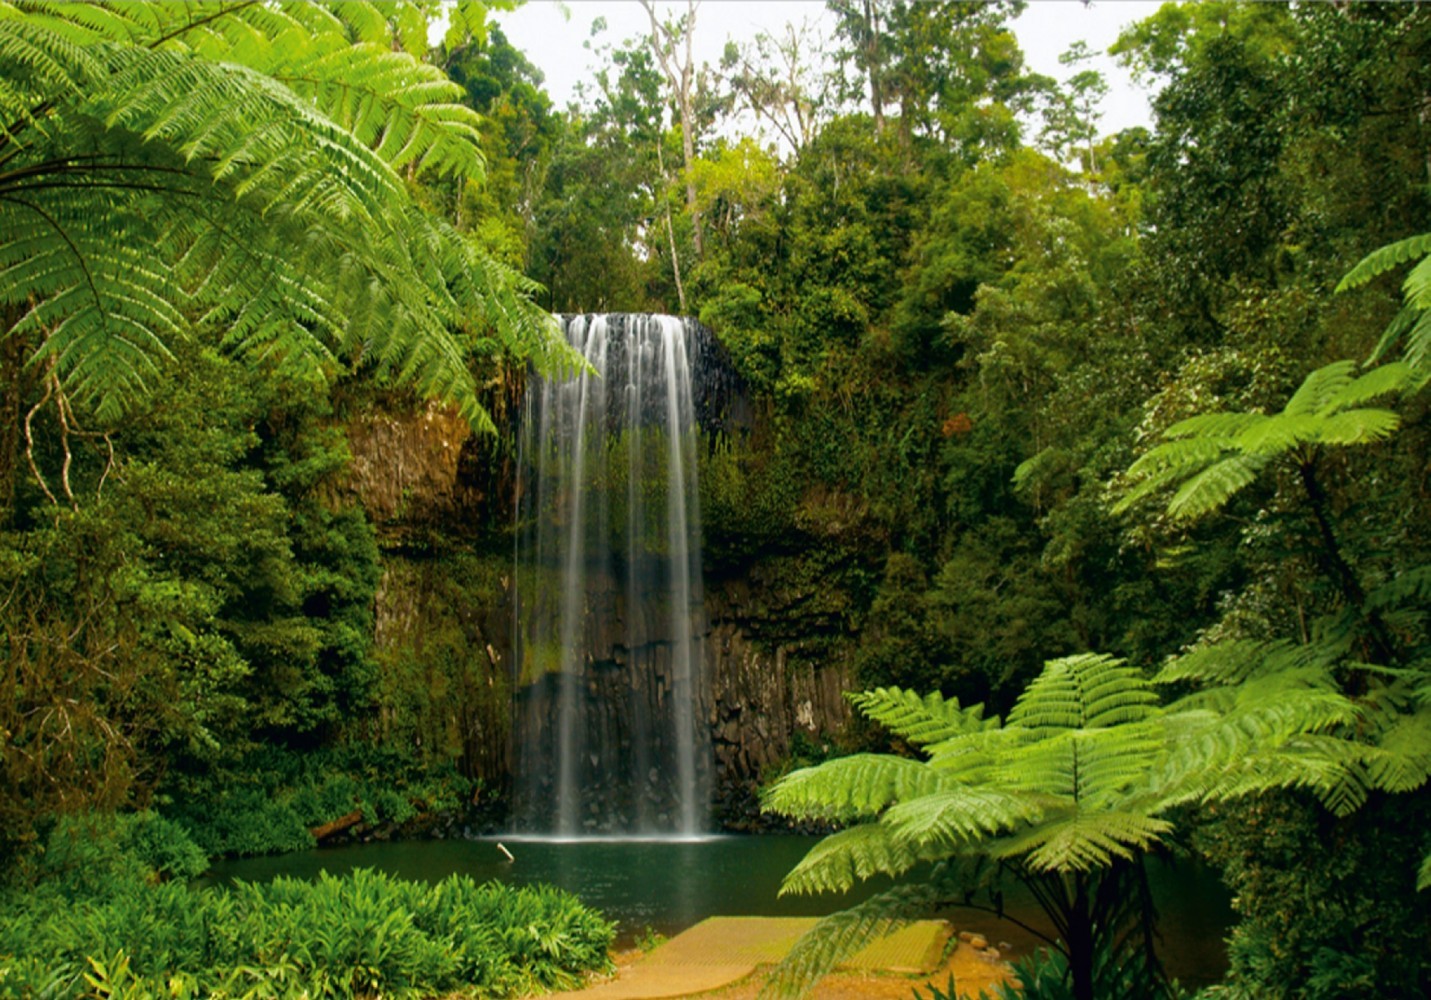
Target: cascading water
(611, 734)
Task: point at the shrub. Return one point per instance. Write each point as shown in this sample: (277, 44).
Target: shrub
(363, 934)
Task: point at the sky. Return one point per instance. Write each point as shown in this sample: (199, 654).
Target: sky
(551, 34)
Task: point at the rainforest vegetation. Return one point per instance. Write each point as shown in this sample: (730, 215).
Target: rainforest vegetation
(1107, 454)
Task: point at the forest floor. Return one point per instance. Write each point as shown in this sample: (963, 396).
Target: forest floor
(730, 958)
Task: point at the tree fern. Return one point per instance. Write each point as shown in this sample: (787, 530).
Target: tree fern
(1078, 783)
(170, 168)
(920, 720)
(1212, 457)
(842, 859)
(1413, 323)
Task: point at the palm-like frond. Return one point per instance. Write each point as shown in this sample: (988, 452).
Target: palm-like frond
(236, 165)
(920, 720)
(1083, 840)
(1212, 457)
(1386, 258)
(1087, 691)
(859, 785)
(1413, 323)
(948, 822)
(842, 859)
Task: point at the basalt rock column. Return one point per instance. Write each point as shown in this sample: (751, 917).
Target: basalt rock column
(612, 733)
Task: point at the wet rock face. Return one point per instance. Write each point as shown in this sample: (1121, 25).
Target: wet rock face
(405, 463)
(766, 692)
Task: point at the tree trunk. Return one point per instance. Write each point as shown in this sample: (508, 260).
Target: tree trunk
(13, 385)
(1080, 941)
(680, 75)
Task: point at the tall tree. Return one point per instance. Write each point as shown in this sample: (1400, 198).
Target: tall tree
(671, 44)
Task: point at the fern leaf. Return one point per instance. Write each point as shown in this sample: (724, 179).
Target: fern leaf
(1276, 434)
(919, 720)
(1213, 487)
(1086, 690)
(1082, 841)
(1401, 759)
(1212, 425)
(1361, 426)
(948, 822)
(1385, 258)
(1416, 289)
(1320, 387)
(859, 785)
(840, 860)
(1423, 877)
(1383, 380)
(1184, 455)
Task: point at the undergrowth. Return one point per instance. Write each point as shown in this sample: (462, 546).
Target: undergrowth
(110, 913)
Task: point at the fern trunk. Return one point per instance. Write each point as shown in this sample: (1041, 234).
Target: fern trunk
(1380, 647)
(13, 351)
(1080, 940)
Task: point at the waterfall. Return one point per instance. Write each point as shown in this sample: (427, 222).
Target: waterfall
(611, 734)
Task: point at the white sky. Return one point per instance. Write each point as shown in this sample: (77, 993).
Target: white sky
(551, 34)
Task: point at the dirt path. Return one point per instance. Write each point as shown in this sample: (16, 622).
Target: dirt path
(729, 958)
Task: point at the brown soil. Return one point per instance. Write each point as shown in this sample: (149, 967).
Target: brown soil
(972, 973)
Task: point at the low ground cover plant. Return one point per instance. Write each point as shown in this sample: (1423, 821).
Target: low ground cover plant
(97, 916)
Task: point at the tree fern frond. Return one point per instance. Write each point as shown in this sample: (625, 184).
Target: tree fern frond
(1418, 348)
(1383, 380)
(1358, 426)
(843, 934)
(853, 786)
(1278, 433)
(1086, 690)
(947, 822)
(919, 720)
(1423, 877)
(1401, 759)
(1416, 289)
(1211, 425)
(1214, 486)
(1183, 454)
(1385, 258)
(1148, 484)
(840, 860)
(1081, 841)
(404, 110)
(1320, 387)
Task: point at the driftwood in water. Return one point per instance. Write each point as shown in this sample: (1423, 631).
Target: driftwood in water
(325, 830)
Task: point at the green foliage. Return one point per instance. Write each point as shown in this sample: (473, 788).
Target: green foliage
(1045, 975)
(359, 935)
(1075, 787)
(255, 154)
(1365, 934)
(267, 802)
(1212, 456)
(86, 855)
(1414, 321)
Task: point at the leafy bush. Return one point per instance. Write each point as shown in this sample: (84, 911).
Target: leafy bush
(273, 797)
(92, 854)
(363, 934)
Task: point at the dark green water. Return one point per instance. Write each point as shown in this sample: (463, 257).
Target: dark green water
(671, 885)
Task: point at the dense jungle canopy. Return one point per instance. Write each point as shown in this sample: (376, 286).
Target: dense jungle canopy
(1019, 391)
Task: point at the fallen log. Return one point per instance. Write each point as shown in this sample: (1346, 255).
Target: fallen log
(325, 830)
